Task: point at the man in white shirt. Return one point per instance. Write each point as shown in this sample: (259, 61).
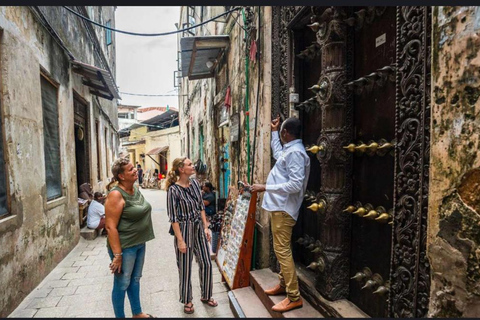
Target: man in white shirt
(284, 191)
(96, 212)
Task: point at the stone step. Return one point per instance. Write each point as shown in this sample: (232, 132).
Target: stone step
(244, 303)
(88, 234)
(265, 279)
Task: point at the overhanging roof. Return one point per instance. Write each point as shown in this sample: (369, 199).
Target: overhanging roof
(157, 150)
(166, 120)
(131, 143)
(197, 51)
(99, 80)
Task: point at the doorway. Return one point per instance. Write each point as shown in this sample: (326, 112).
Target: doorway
(82, 147)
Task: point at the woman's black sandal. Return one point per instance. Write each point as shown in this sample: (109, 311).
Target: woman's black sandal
(188, 309)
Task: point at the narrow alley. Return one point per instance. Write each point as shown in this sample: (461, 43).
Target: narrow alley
(81, 285)
(335, 151)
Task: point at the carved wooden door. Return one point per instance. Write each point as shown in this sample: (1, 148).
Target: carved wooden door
(372, 148)
(362, 75)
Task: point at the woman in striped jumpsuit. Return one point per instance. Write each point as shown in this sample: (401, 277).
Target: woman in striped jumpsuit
(186, 213)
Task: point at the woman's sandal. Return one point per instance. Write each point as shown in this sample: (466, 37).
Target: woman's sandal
(211, 302)
(188, 309)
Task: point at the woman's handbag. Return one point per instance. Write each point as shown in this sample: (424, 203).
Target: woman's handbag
(171, 230)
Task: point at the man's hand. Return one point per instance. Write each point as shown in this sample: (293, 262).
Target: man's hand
(258, 187)
(275, 123)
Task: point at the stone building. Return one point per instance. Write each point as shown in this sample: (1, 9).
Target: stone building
(58, 128)
(225, 97)
(153, 143)
(388, 97)
(127, 115)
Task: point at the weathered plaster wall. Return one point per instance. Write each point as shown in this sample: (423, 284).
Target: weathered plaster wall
(203, 101)
(36, 234)
(454, 196)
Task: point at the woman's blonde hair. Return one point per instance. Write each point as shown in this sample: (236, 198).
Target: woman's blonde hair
(172, 175)
(117, 168)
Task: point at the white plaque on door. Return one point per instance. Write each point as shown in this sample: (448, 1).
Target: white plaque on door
(380, 40)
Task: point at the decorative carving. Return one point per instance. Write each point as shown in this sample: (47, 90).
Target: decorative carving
(281, 63)
(281, 60)
(363, 16)
(410, 280)
(336, 164)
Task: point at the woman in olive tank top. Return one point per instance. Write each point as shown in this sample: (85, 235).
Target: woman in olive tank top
(128, 221)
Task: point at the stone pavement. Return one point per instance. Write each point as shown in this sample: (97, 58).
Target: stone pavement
(81, 284)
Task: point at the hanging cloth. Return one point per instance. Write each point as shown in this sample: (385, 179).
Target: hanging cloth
(228, 98)
(253, 50)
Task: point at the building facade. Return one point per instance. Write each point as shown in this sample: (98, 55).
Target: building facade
(153, 143)
(58, 130)
(127, 115)
(388, 98)
(225, 102)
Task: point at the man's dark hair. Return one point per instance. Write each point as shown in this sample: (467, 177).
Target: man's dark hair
(293, 126)
(97, 195)
(209, 185)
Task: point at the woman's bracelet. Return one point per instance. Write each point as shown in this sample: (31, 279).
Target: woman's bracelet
(118, 254)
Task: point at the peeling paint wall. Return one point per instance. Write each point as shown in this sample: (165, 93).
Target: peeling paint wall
(200, 103)
(454, 196)
(36, 235)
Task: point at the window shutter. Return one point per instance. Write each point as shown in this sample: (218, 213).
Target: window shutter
(51, 140)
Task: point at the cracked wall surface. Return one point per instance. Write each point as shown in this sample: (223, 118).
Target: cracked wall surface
(37, 234)
(454, 198)
(202, 104)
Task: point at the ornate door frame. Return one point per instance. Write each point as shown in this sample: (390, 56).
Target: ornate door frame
(410, 278)
(410, 268)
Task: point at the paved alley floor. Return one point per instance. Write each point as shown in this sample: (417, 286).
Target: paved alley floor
(81, 284)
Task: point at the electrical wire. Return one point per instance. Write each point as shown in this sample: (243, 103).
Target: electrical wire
(150, 34)
(152, 95)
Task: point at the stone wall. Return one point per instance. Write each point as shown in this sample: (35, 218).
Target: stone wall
(36, 234)
(200, 103)
(454, 198)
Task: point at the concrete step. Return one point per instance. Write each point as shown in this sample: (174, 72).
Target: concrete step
(89, 234)
(244, 303)
(265, 279)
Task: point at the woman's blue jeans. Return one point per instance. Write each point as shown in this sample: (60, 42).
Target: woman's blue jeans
(128, 280)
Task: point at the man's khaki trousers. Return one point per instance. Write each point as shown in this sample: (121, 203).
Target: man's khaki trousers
(282, 226)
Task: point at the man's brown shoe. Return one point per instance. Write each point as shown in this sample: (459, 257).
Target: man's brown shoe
(287, 305)
(278, 289)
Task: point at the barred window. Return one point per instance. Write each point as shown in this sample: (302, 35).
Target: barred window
(51, 140)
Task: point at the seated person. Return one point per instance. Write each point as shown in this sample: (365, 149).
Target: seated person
(96, 212)
(208, 199)
(85, 192)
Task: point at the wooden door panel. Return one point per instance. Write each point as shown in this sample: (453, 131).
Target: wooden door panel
(308, 69)
(373, 175)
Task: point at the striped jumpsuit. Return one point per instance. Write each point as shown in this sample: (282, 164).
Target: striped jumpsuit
(184, 206)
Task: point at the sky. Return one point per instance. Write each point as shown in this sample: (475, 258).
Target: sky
(145, 65)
